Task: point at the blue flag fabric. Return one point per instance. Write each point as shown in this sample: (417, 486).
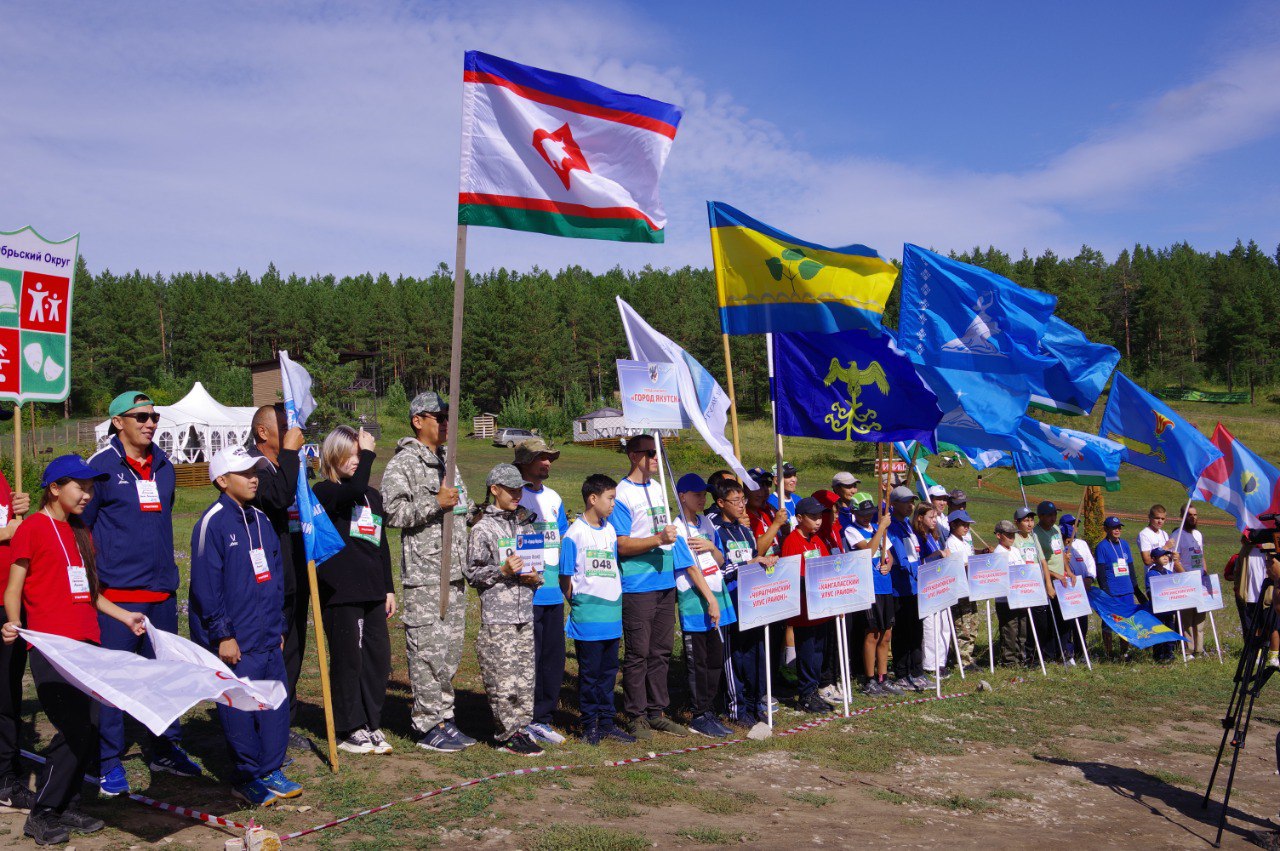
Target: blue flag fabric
(319, 537)
(1134, 623)
(980, 459)
(852, 385)
(1050, 454)
(1080, 371)
(1155, 437)
(1240, 482)
(958, 316)
(978, 409)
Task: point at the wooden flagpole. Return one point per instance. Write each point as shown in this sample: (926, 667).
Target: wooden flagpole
(733, 399)
(322, 657)
(455, 387)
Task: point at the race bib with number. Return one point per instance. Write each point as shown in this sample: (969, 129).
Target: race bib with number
(261, 570)
(600, 564)
(148, 495)
(739, 552)
(78, 579)
(366, 525)
(550, 534)
(658, 517)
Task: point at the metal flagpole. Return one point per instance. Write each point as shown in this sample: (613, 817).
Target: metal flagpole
(955, 642)
(1036, 636)
(455, 390)
(937, 651)
(991, 645)
(842, 658)
(1216, 645)
(768, 678)
(1183, 643)
(1083, 646)
(1017, 474)
(777, 438)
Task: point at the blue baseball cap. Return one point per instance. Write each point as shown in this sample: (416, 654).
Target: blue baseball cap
(1113, 522)
(959, 516)
(1067, 525)
(691, 483)
(69, 467)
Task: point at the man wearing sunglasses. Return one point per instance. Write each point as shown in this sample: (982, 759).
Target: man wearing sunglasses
(418, 502)
(131, 517)
(650, 551)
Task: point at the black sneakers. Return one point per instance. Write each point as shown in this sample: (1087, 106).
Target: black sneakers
(521, 744)
(17, 799)
(46, 828)
(80, 822)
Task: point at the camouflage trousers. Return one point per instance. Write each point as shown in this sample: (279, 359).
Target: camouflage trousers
(505, 652)
(434, 649)
(966, 615)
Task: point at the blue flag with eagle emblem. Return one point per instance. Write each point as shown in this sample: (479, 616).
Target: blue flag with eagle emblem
(1134, 623)
(851, 385)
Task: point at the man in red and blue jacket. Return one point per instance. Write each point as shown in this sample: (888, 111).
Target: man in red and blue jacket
(131, 517)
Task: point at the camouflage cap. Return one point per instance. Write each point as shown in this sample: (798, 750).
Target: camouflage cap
(428, 402)
(530, 449)
(505, 476)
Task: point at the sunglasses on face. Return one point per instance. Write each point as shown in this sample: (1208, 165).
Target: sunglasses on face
(142, 417)
(648, 453)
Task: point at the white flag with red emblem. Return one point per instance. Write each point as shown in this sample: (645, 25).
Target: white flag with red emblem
(561, 155)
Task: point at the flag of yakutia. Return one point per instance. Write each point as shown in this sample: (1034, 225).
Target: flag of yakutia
(556, 154)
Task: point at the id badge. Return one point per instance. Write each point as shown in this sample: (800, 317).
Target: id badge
(818, 553)
(740, 555)
(78, 579)
(4, 515)
(1121, 568)
(366, 525)
(506, 548)
(148, 495)
(295, 519)
(261, 571)
(707, 562)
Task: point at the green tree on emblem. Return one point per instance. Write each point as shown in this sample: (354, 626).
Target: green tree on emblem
(787, 267)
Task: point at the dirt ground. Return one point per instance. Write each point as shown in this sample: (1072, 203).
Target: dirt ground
(1126, 787)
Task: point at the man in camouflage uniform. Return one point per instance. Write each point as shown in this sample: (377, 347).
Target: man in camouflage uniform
(417, 503)
(506, 582)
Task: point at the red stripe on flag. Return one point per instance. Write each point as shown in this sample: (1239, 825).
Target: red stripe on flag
(554, 207)
(644, 122)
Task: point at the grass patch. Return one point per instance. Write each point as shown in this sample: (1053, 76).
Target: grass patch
(582, 837)
(813, 799)
(714, 836)
(890, 796)
(1009, 795)
(1173, 778)
(964, 803)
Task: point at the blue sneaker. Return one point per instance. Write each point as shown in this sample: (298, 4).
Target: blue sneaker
(255, 793)
(458, 736)
(176, 762)
(114, 782)
(281, 785)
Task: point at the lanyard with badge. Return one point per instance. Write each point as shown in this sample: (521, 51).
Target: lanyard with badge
(739, 549)
(706, 561)
(257, 555)
(366, 525)
(77, 575)
(148, 491)
(1120, 566)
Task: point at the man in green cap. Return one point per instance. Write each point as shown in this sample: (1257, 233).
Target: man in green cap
(418, 502)
(131, 517)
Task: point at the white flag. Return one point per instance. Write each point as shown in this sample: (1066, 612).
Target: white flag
(155, 691)
(706, 404)
(295, 385)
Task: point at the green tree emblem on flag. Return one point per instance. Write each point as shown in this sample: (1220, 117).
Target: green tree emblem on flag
(792, 264)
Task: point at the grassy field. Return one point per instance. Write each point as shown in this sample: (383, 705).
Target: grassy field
(748, 794)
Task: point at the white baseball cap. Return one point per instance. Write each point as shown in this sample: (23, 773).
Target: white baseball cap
(233, 459)
(937, 491)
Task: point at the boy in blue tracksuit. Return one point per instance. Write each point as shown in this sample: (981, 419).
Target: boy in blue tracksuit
(237, 612)
(131, 518)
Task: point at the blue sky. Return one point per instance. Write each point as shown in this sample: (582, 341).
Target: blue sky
(325, 138)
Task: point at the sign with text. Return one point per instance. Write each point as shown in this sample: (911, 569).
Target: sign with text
(1026, 586)
(1173, 592)
(1210, 594)
(650, 395)
(1072, 599)
(988, 576)
(531, 548)
(839, 584)
(940, 582)
(36, 281)
(768, 595)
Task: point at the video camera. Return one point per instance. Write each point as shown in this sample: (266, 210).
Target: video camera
(1265, 538)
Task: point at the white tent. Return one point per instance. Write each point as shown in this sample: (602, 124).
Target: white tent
(195, 428)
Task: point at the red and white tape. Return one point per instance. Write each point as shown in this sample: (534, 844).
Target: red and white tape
(808, 725)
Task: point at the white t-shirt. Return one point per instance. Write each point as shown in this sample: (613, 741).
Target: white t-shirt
(1081, 559)
(959, 545)
(1149, 539)
(703, 528)
(1190, 547)
(646, 506)
(548, 507)
(1256, 565)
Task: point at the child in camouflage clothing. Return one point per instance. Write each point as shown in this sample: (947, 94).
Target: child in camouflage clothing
(506, 584)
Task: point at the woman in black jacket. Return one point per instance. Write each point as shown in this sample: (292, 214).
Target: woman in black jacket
(357, 596)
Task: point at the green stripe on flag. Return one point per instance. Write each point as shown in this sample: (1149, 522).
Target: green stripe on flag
(558, 224)
(1050, 477)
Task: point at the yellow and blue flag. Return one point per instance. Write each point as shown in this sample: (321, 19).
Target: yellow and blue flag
(853, 385)
(1155, 436)
(769, 281)
(1134, 623)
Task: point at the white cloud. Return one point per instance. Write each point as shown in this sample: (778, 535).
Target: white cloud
(214, 137)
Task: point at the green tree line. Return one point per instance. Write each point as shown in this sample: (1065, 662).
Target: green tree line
(541, 345)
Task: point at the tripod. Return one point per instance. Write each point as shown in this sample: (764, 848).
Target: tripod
(1252, 674)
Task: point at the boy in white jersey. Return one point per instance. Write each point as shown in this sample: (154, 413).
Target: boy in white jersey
(533, 460)
(590, 579)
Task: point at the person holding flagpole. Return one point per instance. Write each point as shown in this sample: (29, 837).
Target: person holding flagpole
(131, 518)
(650, 551)
(54, 580)
(419, 502)
(277, 498)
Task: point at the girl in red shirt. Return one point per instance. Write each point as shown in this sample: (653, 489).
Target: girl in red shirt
(55, 579)
(805, 542)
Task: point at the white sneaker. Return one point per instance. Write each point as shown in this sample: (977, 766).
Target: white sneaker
(1071, 662)
(832, 694)
(358, 742)
(379, 741)
(544, 733)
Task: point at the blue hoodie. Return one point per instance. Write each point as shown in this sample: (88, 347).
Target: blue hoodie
(227, 598)
(135, 547)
